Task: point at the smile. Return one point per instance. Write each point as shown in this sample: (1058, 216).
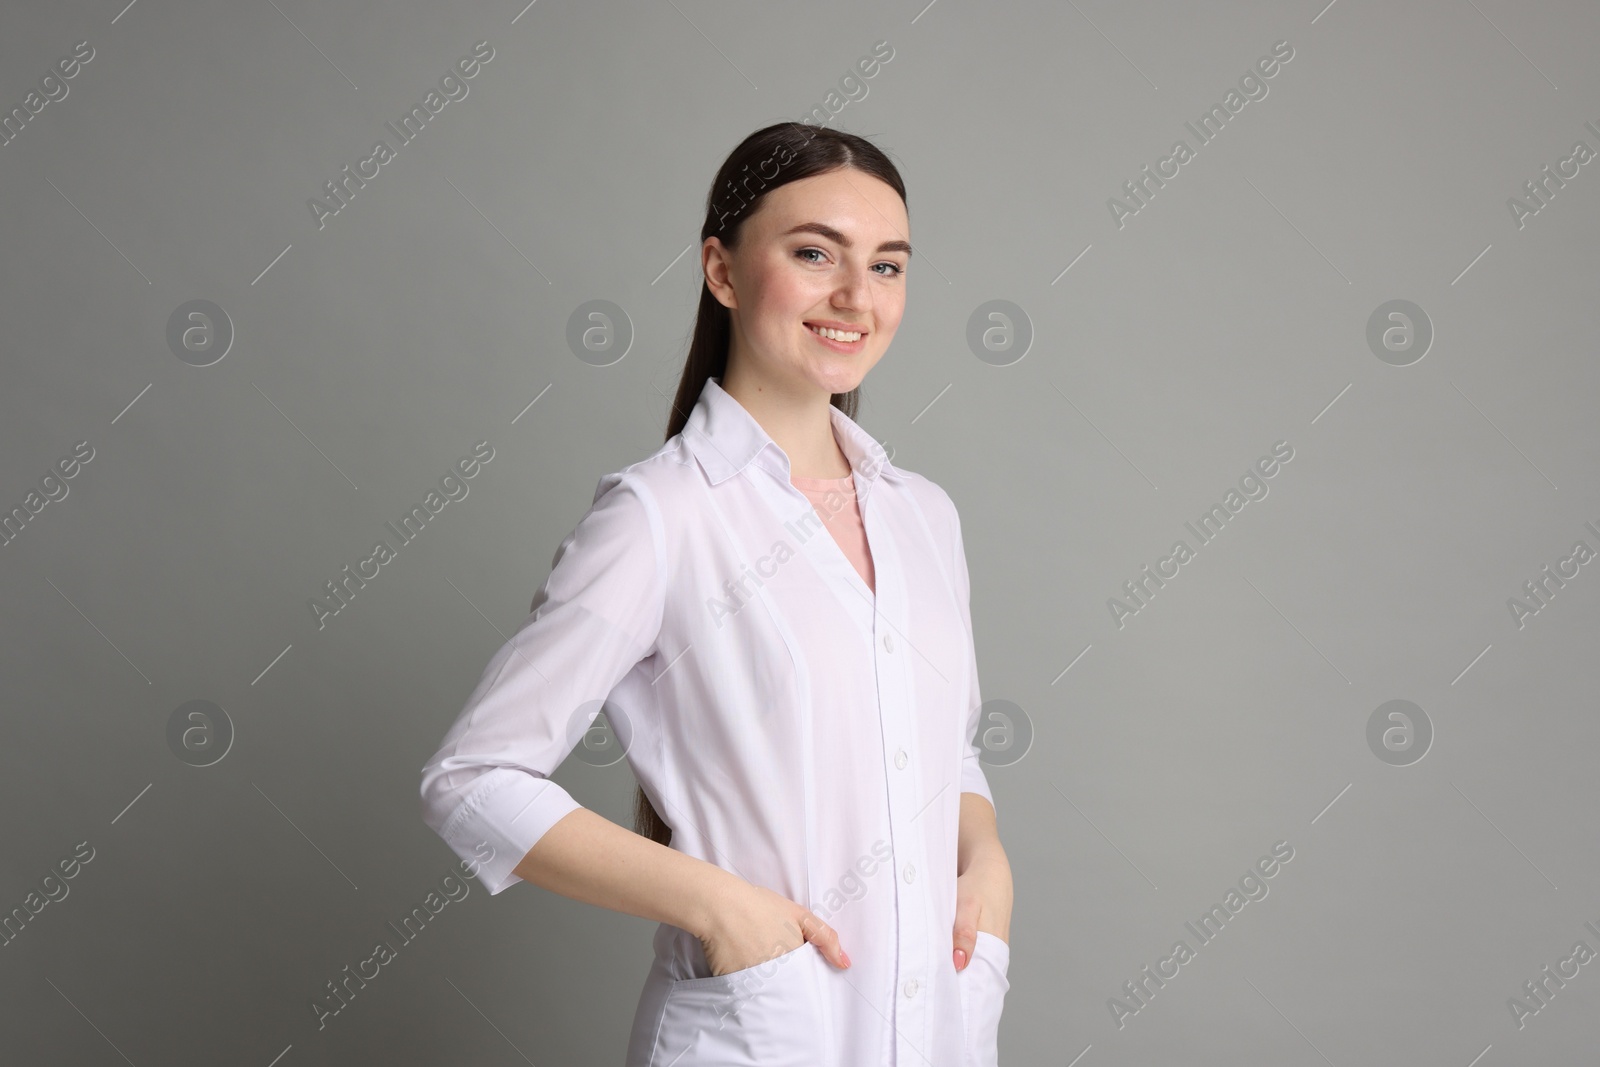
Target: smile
(838, 337)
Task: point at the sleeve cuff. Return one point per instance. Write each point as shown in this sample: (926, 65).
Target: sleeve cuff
(973, 780)
(509, 812)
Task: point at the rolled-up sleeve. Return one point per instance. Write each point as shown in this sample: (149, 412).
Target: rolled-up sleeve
(972, 776)
(594, 618)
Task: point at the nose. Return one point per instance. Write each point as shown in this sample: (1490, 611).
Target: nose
(853, 290)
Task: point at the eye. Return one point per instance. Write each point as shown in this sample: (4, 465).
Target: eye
(895, 269)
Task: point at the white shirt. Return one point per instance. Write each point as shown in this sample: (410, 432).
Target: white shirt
(790, 725)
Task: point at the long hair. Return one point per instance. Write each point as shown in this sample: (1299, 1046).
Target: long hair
(769, 158)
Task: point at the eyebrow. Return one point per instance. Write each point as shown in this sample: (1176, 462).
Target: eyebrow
(824, 230)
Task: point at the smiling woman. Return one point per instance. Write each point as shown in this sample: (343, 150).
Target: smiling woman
(781, 751)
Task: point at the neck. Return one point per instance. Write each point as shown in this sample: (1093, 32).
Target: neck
(798, 421)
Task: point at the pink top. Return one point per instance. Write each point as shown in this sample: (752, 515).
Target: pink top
(835, 502)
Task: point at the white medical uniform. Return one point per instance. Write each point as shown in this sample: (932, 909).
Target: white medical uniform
(791, 725)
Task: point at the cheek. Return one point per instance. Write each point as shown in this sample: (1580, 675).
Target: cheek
(786, 294)
(890, 309)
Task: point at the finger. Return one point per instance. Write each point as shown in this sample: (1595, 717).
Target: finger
(826, 938)
(964, 935)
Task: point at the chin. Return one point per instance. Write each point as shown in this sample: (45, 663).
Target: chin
(836, 383)
(842, 379)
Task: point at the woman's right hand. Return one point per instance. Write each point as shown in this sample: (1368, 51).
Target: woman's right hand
(751, 924)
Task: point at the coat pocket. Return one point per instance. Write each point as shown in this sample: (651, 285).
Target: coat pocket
(983, 986)
(768, 1015)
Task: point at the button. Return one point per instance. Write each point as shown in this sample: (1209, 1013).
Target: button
(900, 760)
(912, 987)
(888, 642)
(911, 873)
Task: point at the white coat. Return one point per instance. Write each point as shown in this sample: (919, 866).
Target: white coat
(791, 725)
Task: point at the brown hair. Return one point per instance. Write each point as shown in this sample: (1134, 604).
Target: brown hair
(769, 158)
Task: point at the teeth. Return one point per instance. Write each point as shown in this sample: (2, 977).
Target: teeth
(836, 335)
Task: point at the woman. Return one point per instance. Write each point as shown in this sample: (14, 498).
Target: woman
(776, 619)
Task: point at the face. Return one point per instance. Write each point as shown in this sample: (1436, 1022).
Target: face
(826, 251)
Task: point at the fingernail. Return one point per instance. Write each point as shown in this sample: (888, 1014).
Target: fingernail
(843, 955)
(961, 959)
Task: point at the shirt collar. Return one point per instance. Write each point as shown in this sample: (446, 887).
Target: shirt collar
(727, 439)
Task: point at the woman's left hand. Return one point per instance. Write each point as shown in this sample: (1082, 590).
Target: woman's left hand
(983, 902)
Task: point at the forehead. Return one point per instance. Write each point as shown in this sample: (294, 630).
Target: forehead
(851, 201)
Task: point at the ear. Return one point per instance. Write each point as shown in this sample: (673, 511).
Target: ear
(717, 264)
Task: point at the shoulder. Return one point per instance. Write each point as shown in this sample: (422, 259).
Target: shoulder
(658, 478)
(930, 497)
(658, 492)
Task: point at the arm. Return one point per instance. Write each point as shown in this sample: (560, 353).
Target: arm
(983, 877)
(590, 858)
(983, 874)
(488, 787)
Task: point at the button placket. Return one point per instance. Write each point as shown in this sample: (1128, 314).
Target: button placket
(910, 1015)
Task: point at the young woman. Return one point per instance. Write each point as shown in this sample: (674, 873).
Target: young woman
(777, 621)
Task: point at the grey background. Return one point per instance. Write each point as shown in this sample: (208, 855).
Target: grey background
(1228, 314)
